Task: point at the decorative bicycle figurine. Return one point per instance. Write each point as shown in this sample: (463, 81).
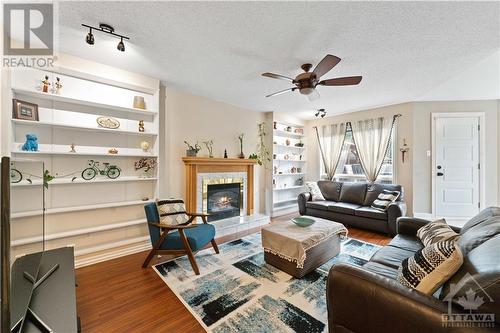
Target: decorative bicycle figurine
(111, 171)
(15, 175)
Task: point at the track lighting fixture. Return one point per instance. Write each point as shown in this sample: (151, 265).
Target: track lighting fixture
(107, 29)
(320, 113)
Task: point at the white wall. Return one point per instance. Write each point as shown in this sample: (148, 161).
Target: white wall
(194, 118)
(422, 185)
(404, 130)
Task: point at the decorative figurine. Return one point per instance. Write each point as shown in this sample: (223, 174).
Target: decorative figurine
(275, 169)
(141, 125)
(113, 151)
(225, 153)
(287, 142)
(72, 146)
(275, 125)
(240, 137)
(31, 143)
(404, 149)
(45, 84)
(210, 147)
(58, 86)
(145, 146)
(93, 169)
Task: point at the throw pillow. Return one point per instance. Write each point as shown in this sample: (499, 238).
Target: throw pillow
(430, 267)
(384, 199)
(436, 231)
(172, 211)
(316, 194)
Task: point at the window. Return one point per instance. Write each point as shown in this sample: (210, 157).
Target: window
(349, 168)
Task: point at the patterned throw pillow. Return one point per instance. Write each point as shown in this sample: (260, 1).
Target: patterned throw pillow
(430, 267)
(172, 212)
(315, 191)
(436, 231)
(384, 199)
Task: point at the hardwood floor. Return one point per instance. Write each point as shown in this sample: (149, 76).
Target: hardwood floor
(119, 296)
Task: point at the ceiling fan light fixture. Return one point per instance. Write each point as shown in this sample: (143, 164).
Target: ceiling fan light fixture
(306, 91)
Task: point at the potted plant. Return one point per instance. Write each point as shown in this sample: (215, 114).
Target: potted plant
(192, 150)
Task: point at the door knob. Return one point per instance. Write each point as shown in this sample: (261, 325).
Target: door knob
(439, 174)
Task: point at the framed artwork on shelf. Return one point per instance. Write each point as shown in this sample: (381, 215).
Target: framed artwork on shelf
(24, 110)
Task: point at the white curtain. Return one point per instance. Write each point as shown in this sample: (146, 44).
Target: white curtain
(372, 137)
(330, 140)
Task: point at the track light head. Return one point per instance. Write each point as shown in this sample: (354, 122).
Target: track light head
(90, 38)
(121, 46)
(320, 113)
(316, 114)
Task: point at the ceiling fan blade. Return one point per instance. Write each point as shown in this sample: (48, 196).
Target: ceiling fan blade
(325, 65)
(342, 81)
(314, 95)
(277, 76)
(282, 92)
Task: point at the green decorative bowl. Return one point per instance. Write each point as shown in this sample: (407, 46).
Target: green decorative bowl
(303, 221)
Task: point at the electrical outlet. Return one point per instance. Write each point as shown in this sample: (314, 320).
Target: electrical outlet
(428, 153)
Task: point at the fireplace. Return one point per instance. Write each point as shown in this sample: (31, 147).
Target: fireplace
(224, 200)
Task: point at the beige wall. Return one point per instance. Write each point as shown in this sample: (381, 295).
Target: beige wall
(194, 118)
(404, 130)
(422, 186)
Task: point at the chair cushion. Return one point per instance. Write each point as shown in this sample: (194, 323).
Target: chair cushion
(330, 189)
(321, 205)
(316, 194)
(343, 207)
(373, 191)
(391, 256)
(371, 213)
(436, 231)
(172, 212)
(431, 267)
(406, 242)
(353, 193)
(197, 237)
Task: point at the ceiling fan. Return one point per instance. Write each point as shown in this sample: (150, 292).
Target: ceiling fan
(306, 82)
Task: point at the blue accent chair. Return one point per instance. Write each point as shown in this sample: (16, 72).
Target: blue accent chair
(182, 239)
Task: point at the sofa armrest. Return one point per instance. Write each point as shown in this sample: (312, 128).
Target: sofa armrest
(302, 199)
(394, 211)
(410, 225)
(362, 301)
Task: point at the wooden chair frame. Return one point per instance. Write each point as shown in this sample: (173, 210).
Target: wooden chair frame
(164, 230)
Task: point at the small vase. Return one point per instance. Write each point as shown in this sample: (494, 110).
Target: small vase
(191, 153)
(241, 155)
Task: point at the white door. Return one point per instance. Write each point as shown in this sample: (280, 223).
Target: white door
(456, 166)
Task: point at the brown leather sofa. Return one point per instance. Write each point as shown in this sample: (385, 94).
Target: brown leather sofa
(369, 299)
(349, 204)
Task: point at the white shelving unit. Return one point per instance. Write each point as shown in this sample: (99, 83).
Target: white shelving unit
(70, 118)
(289, 165)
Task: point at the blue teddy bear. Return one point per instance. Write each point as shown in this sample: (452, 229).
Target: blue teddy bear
(31, 143)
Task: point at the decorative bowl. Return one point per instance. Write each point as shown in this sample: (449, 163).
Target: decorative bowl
(303, 221)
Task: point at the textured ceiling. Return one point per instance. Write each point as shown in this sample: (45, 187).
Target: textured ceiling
(219, 49)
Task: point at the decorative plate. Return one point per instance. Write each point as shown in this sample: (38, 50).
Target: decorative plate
(303, 221)
(108, 122)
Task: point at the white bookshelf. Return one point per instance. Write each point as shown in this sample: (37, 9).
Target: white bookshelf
(69, 117)
(289, 165)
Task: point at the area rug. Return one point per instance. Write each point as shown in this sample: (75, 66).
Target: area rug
(238, 292)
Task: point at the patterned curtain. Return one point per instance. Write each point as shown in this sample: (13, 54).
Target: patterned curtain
(372, 137)
(330, 141)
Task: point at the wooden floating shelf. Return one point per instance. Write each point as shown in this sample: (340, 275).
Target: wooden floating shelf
(62, 98)
(288, 134)
(81, 128)
(289, 188)
(67, 181)
(80, 208)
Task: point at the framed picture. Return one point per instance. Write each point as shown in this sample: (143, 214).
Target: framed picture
(24, 110)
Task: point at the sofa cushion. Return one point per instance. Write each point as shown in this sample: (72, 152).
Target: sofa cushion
(316, 194)
(478, 234)
(484, 215)
(384, 199)
(373, 191)
(371, 213)
(406, 242)
(380, 269)
(431, 267)
(321, 205)
(343, 207)
(436, 231)
(353, 193)
(330, 189)
(391, 256)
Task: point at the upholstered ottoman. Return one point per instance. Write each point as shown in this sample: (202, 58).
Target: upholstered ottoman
(300, 250)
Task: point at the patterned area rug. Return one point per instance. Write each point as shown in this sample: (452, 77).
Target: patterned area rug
(238, 292)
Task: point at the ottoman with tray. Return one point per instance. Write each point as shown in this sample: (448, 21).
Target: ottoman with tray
(299, 250)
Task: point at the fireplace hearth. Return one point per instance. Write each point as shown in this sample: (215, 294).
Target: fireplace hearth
(223, 201)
